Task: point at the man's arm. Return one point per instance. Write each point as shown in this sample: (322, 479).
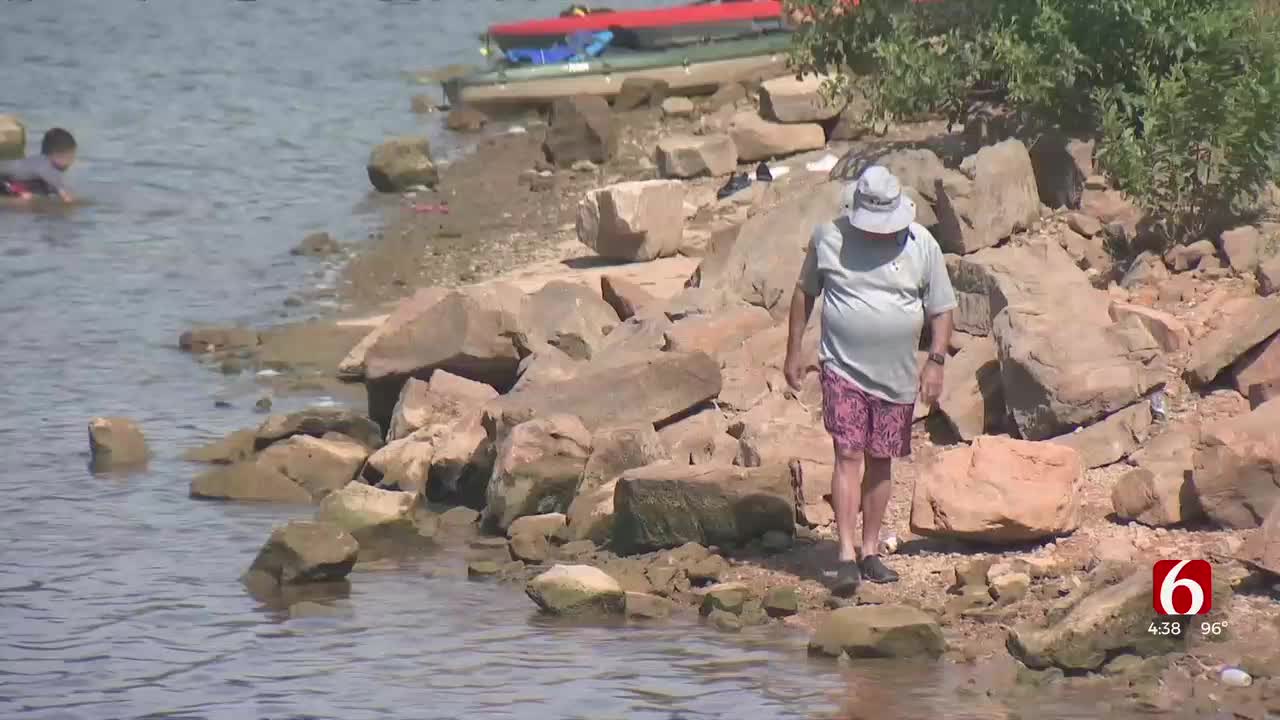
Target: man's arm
(797, 320)
(940, 327)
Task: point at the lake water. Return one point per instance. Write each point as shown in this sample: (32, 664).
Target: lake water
(214, 134)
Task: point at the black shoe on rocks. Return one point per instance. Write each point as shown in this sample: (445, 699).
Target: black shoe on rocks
(848, 577)
(738, 182)
(876, 571)
(763, 172)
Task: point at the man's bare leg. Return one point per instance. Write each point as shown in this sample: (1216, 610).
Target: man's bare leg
(877, 486)
(846, 497)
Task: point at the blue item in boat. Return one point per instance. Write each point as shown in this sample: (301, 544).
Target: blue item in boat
(578, 46)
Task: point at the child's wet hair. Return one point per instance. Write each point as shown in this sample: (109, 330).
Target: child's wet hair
(56, 141)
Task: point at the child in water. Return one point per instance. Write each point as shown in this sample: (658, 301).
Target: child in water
(41, 174)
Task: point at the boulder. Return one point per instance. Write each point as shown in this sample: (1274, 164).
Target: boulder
(1258, 366)
(212, 339)
(1089, 253)
(304, 551)
(466, 119)
(641, 92)
(116, 442)
(796, 100)
(999, 198)
(1237, 469)
(1155, 496)
(677, 107)
(692, 434)
(1242, 248)
(539, 464)
(715, 334)
(567, 316)
(1061, 166)
(972, 395)
(401, 163)
(1269, 276)
(634, 221)
(624, 296)
(649, 388)
(591, 514)
(13, 138)
(1108, 619)
(547, 525)
(666, 505)
(445, 399)
(688, 156)
(811, 483)
(1188, 257)
(319, 466)
(762, 265)
(758, 139)
(853, 123)
(1170, 333)
(317, 422)
(358, 507)
(778, 442)
(878, 631)
(999, 490)
(619, 448)
(317, 244)
(467, 333)
(576, 590)
(1112, 438)
(580, 128)
(1263, 393)
(1261, 548)
(352, 367)
(780, 602)
(530, 548)
(404, 464)
(648, 607)
(727, 597)
(248, 480)
(1245, 326)
(235, 447)
(727, 95)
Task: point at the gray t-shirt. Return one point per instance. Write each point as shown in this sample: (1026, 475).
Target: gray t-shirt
(875, 295)
(36, 167)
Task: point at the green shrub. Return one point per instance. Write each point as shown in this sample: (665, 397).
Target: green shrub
(1183, 93)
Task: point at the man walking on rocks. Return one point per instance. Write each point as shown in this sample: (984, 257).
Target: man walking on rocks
(880, 274)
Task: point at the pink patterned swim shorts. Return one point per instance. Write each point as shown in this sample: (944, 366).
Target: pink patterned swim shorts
(859, 421)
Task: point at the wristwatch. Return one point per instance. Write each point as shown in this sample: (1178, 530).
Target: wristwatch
(939, 358)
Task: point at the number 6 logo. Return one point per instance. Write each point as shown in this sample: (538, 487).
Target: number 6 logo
(1193, 577)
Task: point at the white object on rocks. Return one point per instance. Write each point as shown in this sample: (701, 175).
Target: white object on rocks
(822, 164)
(889, 544)
(779, 171)
(1235, 677)
(517, 130)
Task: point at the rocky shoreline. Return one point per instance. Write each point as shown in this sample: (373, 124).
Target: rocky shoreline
(607, 424)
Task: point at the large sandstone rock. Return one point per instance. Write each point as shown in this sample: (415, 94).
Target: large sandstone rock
(650, 388)
(404, 464)
(1262, 548)
(779, 442)
(358, 507)
(1000, 199)
(317, 422)
(13, 138)
(116, 442)
(1246, 326)
(319, 466)
(718, 333)
(796, 100)
(972, 395)
(999, 490)
(762, 265)
(591, 516)
(250, 481)
(236, 446)
(1269, 276)
(446, 398)
(1242, 247)
(878, 631)
(666, 505)
(580, 128)
(758, 139)
(1112, 438)
(352, 367)
(620, 448)
(1259, 366)
(539, 465)
(401, 163)
(624, 296)
(567, 316)
(1155, 496)
(303, 551)
(1109, 619)
(641, 92)
(811, 482)
(1170, 333)
(1062, 164)
(638, 220)
(688, 156)
(576, 590)
(696, 435)
(1237, 470)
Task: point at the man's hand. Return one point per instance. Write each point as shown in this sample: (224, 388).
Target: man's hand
(66, 196)
(24, 196)
(931, 382)
(793, 371)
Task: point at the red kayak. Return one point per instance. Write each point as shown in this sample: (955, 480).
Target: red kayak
(673, 24)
